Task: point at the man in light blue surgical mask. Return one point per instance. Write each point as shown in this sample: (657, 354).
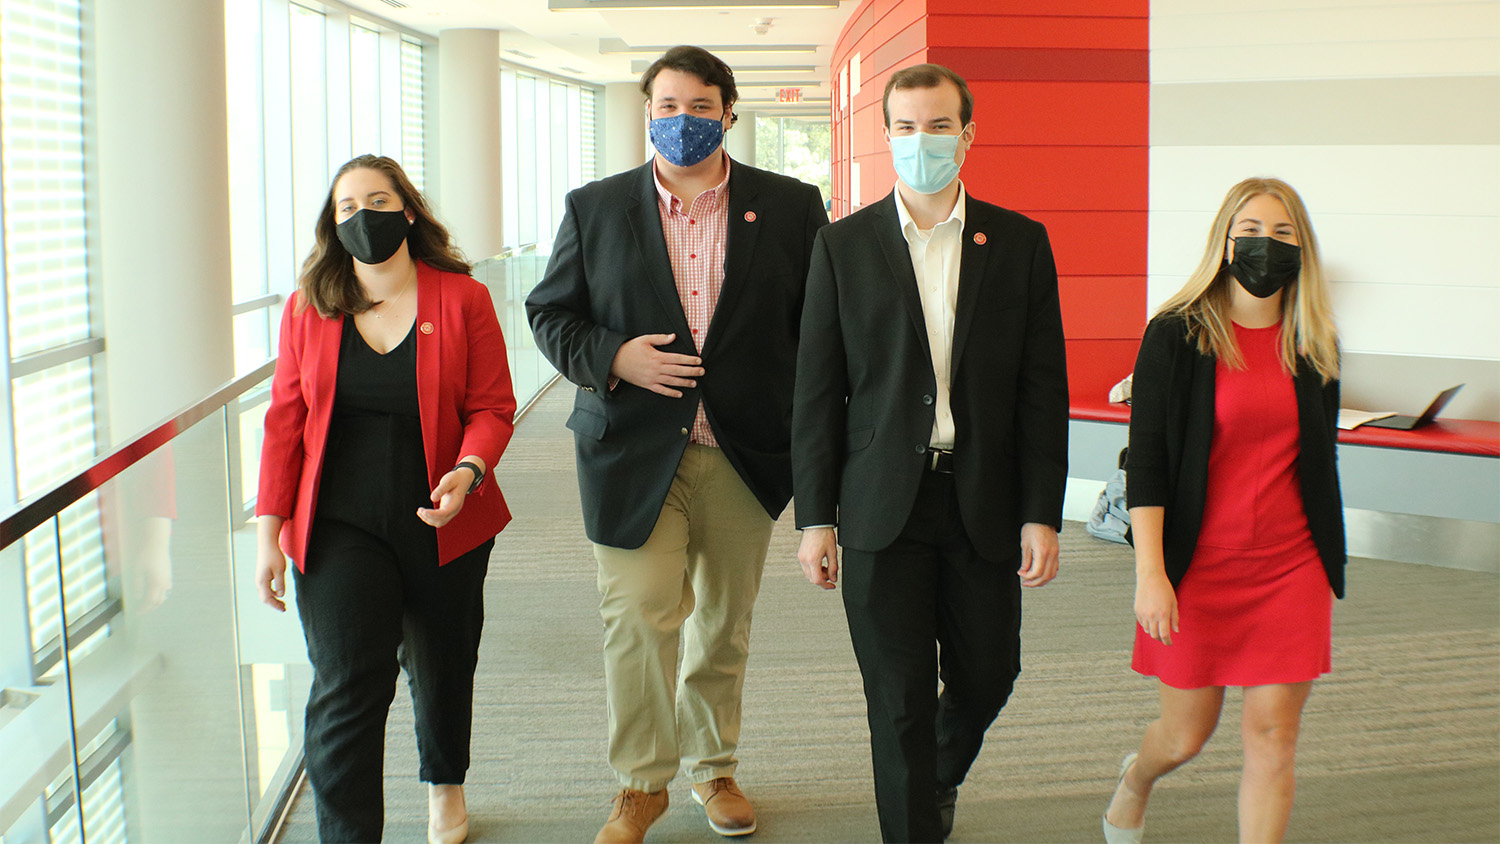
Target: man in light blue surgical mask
(671, 301)
(929, 441)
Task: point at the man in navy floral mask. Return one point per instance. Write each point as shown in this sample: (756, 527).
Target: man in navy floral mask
(672, 301)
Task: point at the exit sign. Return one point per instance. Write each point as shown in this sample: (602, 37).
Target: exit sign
(789, 95)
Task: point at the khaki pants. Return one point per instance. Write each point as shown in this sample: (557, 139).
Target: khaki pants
(698, 573)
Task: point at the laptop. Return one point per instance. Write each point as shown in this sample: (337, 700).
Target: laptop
(1406, 423)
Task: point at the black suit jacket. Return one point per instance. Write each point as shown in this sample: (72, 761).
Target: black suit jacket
(610, 279)
(1171, 433)
(865, 387)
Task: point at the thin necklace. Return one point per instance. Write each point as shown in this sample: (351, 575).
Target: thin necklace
(393, 302)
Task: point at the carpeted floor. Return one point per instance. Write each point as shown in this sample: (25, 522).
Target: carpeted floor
(1400, 743)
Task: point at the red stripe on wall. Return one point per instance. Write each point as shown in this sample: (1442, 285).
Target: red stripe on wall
(1004, 31)
(1056, 65)
(1047, 8)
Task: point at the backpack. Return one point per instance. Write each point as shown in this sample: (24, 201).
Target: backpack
(1110, 520)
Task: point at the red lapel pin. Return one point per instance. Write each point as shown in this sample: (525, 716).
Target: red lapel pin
(979, 238)
(426, 328)
(749, 216)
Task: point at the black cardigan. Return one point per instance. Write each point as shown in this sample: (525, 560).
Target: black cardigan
(1171, 428)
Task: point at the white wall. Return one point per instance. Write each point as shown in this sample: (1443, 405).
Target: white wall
(1386, 118)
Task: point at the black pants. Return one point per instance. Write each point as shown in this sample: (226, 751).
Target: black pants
(368, 605)
(929, 607)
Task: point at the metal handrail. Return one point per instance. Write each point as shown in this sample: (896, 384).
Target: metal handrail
(36, 511)
(510, 252)
(26, 516)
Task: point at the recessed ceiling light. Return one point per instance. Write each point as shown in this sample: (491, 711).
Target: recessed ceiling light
(394, 4)
(520, 53)
(612, 46)
(682, 5)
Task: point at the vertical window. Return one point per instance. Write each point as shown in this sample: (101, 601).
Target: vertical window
(510, 160)
(528, 167)
(46, 261)
(50, 369)
(412, 139)
(309, 126)
(561, 145)
(548, 147)
(588, 170)
(364, 90)
(287, 135)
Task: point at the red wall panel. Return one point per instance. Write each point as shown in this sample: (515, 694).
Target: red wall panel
(1069, 113)
(1095, 242)
(1096, 365)
(1103, 306)
(1062, 108)
(1060, 178)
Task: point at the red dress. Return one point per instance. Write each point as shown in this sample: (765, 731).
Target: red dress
(1255, 606)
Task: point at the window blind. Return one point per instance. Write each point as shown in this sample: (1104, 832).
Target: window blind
(412, 139)
(47, 291)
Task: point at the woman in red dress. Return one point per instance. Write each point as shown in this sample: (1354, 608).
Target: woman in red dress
(1234, 502)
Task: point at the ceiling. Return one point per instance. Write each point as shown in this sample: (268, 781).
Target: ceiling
(601, 46)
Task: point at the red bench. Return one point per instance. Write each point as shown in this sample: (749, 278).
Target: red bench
(1088, 392)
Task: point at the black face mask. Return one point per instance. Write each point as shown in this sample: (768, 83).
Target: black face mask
(371, 236)
(1264, 265)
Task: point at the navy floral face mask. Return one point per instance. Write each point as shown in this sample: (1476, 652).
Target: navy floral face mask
(686, 139)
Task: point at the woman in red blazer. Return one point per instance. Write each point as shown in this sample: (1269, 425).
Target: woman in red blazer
(391, 401)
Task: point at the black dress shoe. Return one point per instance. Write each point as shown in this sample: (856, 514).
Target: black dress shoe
(947, 800)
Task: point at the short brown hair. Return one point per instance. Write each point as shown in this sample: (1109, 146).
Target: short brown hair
(927, 76)
(700, 63)
(328, 282)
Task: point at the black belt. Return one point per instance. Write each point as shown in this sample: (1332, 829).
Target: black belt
(939, 460)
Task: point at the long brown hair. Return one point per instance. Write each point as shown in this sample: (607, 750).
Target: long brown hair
(1307, 323)
(328, 282)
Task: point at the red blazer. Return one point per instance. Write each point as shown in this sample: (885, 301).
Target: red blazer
(464, 398)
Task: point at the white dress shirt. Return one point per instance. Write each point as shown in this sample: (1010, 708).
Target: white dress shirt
(935, 256)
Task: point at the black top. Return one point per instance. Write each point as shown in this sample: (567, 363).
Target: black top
(1171, 430)
(374, 469)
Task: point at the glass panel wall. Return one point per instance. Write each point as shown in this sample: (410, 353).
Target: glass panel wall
(309, 87)
(547, 148)
(798, 147)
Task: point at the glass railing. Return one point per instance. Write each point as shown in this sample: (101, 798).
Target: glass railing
(146, 694)
(510, 277)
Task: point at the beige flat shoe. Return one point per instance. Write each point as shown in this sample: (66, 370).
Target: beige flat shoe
(452, 835)
(1118, 835)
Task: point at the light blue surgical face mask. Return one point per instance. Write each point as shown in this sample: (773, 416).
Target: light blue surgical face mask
(925, 162)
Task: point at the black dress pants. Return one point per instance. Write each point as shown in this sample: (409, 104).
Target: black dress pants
(925, 608)
(368, 605)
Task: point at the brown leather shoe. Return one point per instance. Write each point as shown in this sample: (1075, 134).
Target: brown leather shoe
(729, 813)
(634, 813)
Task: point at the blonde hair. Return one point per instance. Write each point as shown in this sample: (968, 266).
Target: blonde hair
(1307, 323)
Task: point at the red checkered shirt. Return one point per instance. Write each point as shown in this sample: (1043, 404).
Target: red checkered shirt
(696, 238)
